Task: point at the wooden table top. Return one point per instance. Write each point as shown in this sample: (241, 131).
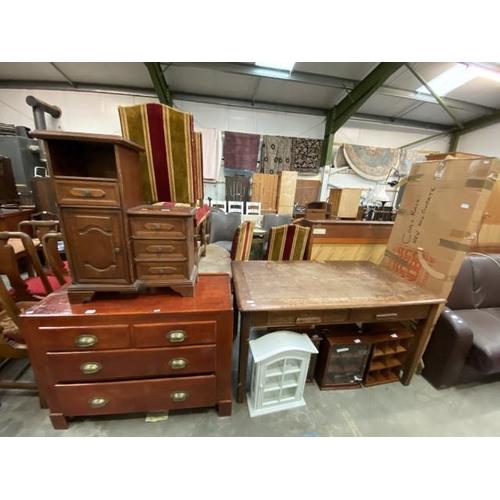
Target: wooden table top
(306, 285)
(212, 293)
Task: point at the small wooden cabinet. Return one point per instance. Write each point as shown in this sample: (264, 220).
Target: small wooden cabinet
(96, 179)
(152, 352)
(163, 245)
(280, 364)
(388, 354)
(351, 357)
(343, 357)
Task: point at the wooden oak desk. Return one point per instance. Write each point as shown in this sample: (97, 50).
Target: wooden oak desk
(288, 294)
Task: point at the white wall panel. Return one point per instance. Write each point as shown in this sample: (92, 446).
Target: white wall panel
(483, 142)
(98, 113)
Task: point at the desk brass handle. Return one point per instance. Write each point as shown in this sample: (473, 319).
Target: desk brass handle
(386, 315)
(90, 367)
(178, 363)
(98, 402)
(307, 320)
(177, 336)
(179, 396)
(86, 340)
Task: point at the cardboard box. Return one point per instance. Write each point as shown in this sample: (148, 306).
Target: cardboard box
(438, 220)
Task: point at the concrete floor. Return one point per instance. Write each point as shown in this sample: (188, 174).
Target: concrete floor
(385, 410)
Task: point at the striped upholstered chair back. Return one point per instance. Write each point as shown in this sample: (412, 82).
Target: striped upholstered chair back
(242, 241)
(288, 242)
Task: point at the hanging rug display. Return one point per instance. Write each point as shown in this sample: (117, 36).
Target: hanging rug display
(371, 162)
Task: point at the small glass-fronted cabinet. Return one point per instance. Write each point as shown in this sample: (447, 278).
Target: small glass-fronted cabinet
(279, 370)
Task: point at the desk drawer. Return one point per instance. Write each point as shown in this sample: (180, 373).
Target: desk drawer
(126, 364)
(135, 396)
(159, 249)
(283, 318)
(389, 313)
(174, 334)
(85, 338)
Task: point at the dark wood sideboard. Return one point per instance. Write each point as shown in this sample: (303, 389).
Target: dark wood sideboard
(133, 353)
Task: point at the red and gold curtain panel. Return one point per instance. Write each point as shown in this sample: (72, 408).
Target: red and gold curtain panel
(306, 155)
(199, 165)
(169, 166)
(241, 150)
(276, 154)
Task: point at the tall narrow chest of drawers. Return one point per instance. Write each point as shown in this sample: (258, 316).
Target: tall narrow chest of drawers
(147, 352)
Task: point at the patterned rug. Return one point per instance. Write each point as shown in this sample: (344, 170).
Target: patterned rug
(169, 168)
(306, 155)
(276, 154)
(241, 150)
(371, 162)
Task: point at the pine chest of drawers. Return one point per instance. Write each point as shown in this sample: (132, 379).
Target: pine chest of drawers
(147, 352)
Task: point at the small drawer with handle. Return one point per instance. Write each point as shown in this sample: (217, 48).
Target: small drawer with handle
(85, 338)
(131, 396)
(87, 193)
(389, 313)
(161, 271)
(159, 250)
(132, 363)
(298, 318)
(158, 227)
(174, 334)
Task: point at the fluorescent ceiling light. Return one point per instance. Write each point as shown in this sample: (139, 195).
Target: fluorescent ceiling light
(455, 77)
(287, 66)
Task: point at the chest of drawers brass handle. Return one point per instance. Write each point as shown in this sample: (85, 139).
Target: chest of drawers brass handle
(178, 363)
(98, 402)
(386, 315)
(90, 367)
(179, 396)
(177, 336)
(86, 340)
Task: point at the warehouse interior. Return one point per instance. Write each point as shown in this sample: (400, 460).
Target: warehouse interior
(377, 107)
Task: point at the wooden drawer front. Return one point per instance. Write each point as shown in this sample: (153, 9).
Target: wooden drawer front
(174, 334)
(157, 249)
(85, 338)
(158, 227)
(87, 193)
(161, 271)
(389, 313)
(125, 364)
(135, 396)
(305, 317)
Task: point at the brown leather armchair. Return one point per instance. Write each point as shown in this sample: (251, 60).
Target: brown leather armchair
(465, 343)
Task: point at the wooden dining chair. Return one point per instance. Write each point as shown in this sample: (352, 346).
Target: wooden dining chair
(242, 241)
(21, 287)
(57, 266)
(287, 242)
(12, 344)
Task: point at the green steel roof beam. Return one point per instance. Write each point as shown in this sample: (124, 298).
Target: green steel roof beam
(436, 96)
(480, 122)
(159, 83)
(361, 93)
(454, 138)
(414, 143)
(338, 115)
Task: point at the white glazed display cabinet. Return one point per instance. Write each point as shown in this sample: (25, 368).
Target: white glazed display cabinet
(279, 370)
